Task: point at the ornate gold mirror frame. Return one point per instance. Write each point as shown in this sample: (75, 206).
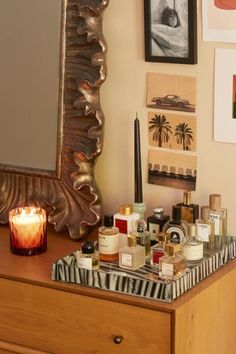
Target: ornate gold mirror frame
(70, 194)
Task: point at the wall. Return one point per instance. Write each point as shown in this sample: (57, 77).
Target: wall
(124, 93)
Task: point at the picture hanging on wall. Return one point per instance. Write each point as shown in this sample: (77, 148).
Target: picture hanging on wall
(171, 92)
(218, 20)
(172, 169)
(170, 31)
(172, 131)
(225, 95)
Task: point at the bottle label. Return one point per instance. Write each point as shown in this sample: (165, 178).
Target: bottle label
(85, 262)
(156, 255)
(176, 234)
(218, 222)
(154, 229)
(108, 244)
(167, 269)
(126, 259)
(204, 231)
(122, 225)
(193, 253)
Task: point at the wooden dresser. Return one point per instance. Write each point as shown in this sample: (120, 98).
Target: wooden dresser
(38, 315)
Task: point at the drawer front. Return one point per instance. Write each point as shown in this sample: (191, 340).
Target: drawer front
(61, 322)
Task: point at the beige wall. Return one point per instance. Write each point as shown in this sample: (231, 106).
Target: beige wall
(124, 93)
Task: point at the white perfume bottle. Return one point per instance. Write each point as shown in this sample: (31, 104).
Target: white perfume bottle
(132, 256)
(218, 214)
(125, 221)
(192, 247)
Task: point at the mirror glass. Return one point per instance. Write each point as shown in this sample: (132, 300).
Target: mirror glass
(29, 88)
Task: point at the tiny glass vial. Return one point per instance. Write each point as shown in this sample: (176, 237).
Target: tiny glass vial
(173, 264)
(88, 256)
(143, 237)
(108, 240)
(192, 248)
(124, 221)
(176, 227)
(158, 250)
(206, 226)
(132, 256)
(218, 214)
(156, 222)
(189, 211)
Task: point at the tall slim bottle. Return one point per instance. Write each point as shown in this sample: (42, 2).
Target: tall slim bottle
(206, 226)
(218, 214)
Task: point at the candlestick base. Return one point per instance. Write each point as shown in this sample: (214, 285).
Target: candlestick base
(139, 208)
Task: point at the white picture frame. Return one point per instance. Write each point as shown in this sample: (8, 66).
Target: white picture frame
(218, 25)
(225, 70)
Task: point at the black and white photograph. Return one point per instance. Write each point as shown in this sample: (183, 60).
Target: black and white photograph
(170, 31)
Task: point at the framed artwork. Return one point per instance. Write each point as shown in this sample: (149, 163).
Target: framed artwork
(225, 96)
(219, 24)
(170, 31)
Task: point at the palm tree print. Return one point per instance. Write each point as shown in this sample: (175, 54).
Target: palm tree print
(184, 135)
(161, 129)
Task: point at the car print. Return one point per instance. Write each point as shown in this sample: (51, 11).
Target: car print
(171, 100)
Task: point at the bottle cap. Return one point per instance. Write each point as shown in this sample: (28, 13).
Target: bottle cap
(172, 248)
(126, 209)
(163, 237)
(132, 241)
(176, 212)
(215, 201)
(192, 231)
(187, 198)
(158, 211)
(108, 220)
(140, 225)
(205, 212)
(88, 247)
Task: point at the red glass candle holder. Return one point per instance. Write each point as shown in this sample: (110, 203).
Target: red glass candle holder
(28, 231)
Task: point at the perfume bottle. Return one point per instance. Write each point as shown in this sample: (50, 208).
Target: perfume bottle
(218, 214)
(143, 236)
(88, 256)
(173, 264)
(124, 221)
(206, 226)
(108, 240)
(192, 248)
(158, 250)
(156, 222)
(132, 256)
(176, 227)
(189, 211)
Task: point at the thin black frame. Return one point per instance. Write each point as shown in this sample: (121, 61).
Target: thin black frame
(192, 36)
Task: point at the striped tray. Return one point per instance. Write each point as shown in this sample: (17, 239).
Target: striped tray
(144, 282)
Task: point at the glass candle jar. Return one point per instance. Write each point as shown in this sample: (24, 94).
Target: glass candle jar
(28, 230)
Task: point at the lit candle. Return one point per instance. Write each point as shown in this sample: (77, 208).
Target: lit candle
(138, 198)
(28, 230)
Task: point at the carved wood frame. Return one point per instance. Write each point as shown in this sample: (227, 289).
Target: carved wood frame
(70, 194)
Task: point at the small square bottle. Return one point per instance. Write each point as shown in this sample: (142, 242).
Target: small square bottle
(156, 222)
(158, 250)
(88, 256)
(173, 264)
(143, 237)
(132, 256)
(189, 211)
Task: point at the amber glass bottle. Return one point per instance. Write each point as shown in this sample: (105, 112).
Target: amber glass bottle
(108, 240)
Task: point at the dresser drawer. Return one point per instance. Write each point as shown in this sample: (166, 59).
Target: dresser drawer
(57, 321)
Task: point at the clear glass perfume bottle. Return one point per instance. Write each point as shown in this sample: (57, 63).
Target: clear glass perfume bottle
(158, 250)
(176, 227)
(218, 214)
(124, 221)
(88, 256)
(173, 264)
(206, 227)
(156, 222)
(143, 236)
(192, 247)
(189, 211)
(108, 240)
(132, 256)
